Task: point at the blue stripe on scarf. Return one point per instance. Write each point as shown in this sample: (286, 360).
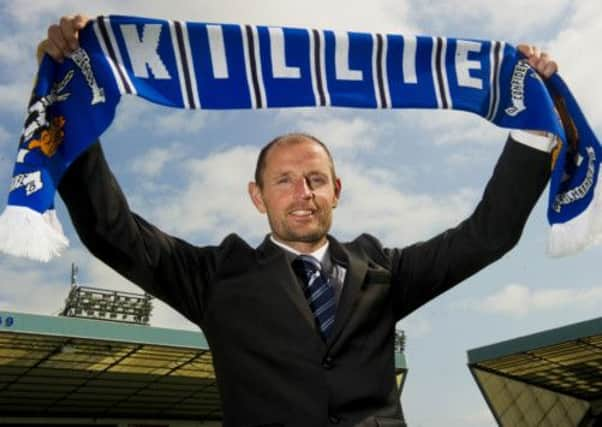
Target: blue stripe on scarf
(217, 66)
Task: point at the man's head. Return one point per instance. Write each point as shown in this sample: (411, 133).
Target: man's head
(296, 186)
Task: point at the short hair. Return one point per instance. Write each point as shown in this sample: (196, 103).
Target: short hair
(293, 137)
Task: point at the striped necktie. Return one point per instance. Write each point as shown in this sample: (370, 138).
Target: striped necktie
(318, 291)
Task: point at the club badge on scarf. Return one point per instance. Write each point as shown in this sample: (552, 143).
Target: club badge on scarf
(227, 66)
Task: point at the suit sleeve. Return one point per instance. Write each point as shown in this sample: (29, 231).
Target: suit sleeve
(164, 266)
(424, 270)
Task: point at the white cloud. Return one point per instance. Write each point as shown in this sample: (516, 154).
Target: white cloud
(132, 113)
(212, 197)
(517, 300)
(32, 287)
(30, 12)
(146, 118)
(30, 291)
(415, 326)
(178, 123)
(452, 127)
(341, 132)
(151, 162)
(166, 317)
(463, 159)
(349, 134)
(339, 14)
(5, 136)
(378, 206)
(490, 20)
(17, 49)
(575, 47)
(14, 97)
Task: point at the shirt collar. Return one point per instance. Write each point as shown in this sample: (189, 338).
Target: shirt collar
(319, 254)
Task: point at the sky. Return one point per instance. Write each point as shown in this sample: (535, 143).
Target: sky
(406, 175)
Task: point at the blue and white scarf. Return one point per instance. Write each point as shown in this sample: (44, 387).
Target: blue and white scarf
(220, 66)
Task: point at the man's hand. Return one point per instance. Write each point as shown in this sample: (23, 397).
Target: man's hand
(545, 67)
(540, 61)
(63, 38)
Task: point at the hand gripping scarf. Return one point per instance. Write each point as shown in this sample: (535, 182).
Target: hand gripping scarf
(219, 66)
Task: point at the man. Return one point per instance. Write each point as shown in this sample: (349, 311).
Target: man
(301, 341)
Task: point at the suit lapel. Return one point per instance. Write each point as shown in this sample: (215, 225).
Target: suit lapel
(278, 266)
(354, 278)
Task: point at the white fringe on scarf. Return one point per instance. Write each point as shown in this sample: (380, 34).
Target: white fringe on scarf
(580, 232)
(27, 233)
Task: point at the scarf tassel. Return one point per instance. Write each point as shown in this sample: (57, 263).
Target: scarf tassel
(25, 232)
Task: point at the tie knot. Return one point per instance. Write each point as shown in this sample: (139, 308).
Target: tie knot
(307, 265)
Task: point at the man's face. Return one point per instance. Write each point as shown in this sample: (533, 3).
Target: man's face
(298, 193)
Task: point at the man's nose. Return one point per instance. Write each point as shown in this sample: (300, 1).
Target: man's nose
(303, 189)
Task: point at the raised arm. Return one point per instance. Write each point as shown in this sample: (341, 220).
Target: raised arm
(164, 266)
(167, 267)
(427, 269)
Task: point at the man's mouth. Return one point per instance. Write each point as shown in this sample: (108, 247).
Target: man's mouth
(302, 213)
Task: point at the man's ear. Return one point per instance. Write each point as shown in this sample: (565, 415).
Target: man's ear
(338, 186)
(256, 196)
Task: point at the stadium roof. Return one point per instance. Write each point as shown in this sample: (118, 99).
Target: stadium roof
(62, 366)
(553, 376)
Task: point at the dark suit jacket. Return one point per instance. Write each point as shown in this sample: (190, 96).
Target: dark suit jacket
(272, 367)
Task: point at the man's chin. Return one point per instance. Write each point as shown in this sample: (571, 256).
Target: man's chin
(311, 232)
(308, 236)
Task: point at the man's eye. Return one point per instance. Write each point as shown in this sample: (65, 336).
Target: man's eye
(317, 180)
(283, 180)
